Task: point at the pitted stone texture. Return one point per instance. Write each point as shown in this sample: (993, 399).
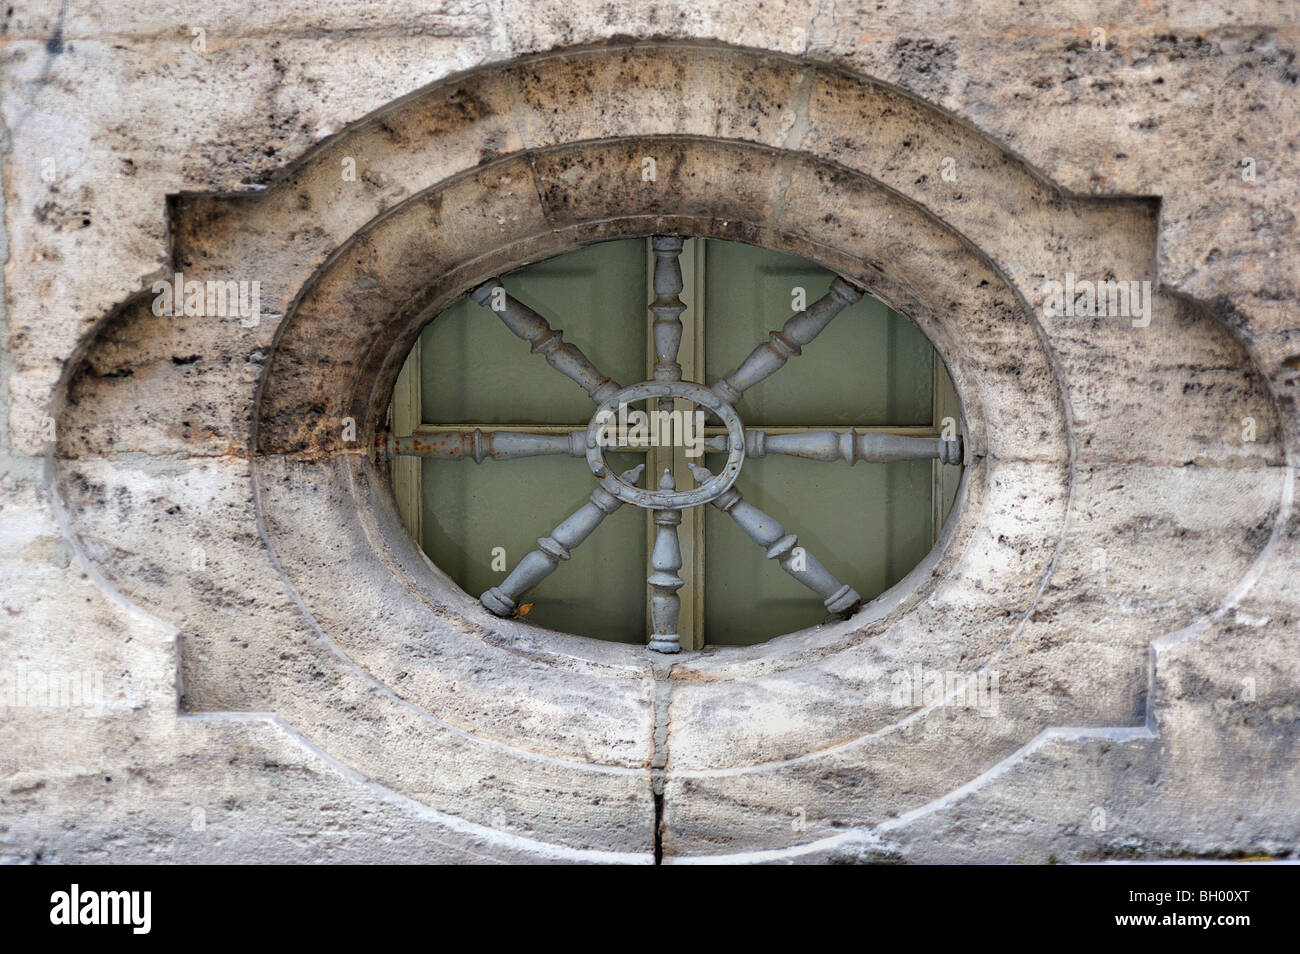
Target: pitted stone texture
(161, 385)
(140, 115)
(1152, 425)
(445, 657)
(230, 789)
(734, 711)
(187, 545)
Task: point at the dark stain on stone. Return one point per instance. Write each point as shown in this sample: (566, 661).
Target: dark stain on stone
(1238, 320)
(54, 45)
(922, 64)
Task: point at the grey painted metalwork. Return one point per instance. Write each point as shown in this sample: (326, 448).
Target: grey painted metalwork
(503, 599)
(566, 358)
(844, 445)
(666, 501)
(799, 330)
(665, 581)
(667, 307)
(827, 445)
(478, 445)
(783, 547)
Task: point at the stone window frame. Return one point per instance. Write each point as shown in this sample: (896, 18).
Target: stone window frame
(409, 594)
(345, 633)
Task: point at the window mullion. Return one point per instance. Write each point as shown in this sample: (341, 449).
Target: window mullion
(691, 358)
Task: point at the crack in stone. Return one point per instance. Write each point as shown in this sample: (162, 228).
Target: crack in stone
(662, 703)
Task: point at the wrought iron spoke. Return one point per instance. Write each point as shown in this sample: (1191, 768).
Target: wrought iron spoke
(799, 330)
(783, 547)
(844, 445)
(667, 307)
(566, 358)
(537, 565)
(478, 445)
(665, 580)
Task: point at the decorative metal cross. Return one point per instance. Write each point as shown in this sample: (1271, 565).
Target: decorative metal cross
(665, 500)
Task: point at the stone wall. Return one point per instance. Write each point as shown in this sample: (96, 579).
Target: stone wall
(218, 645)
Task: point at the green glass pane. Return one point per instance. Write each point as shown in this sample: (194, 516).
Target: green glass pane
(476, 371)
(870, 367)
(868, 524)
(471, 509)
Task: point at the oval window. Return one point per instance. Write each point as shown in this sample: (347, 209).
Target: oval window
(630, 513)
